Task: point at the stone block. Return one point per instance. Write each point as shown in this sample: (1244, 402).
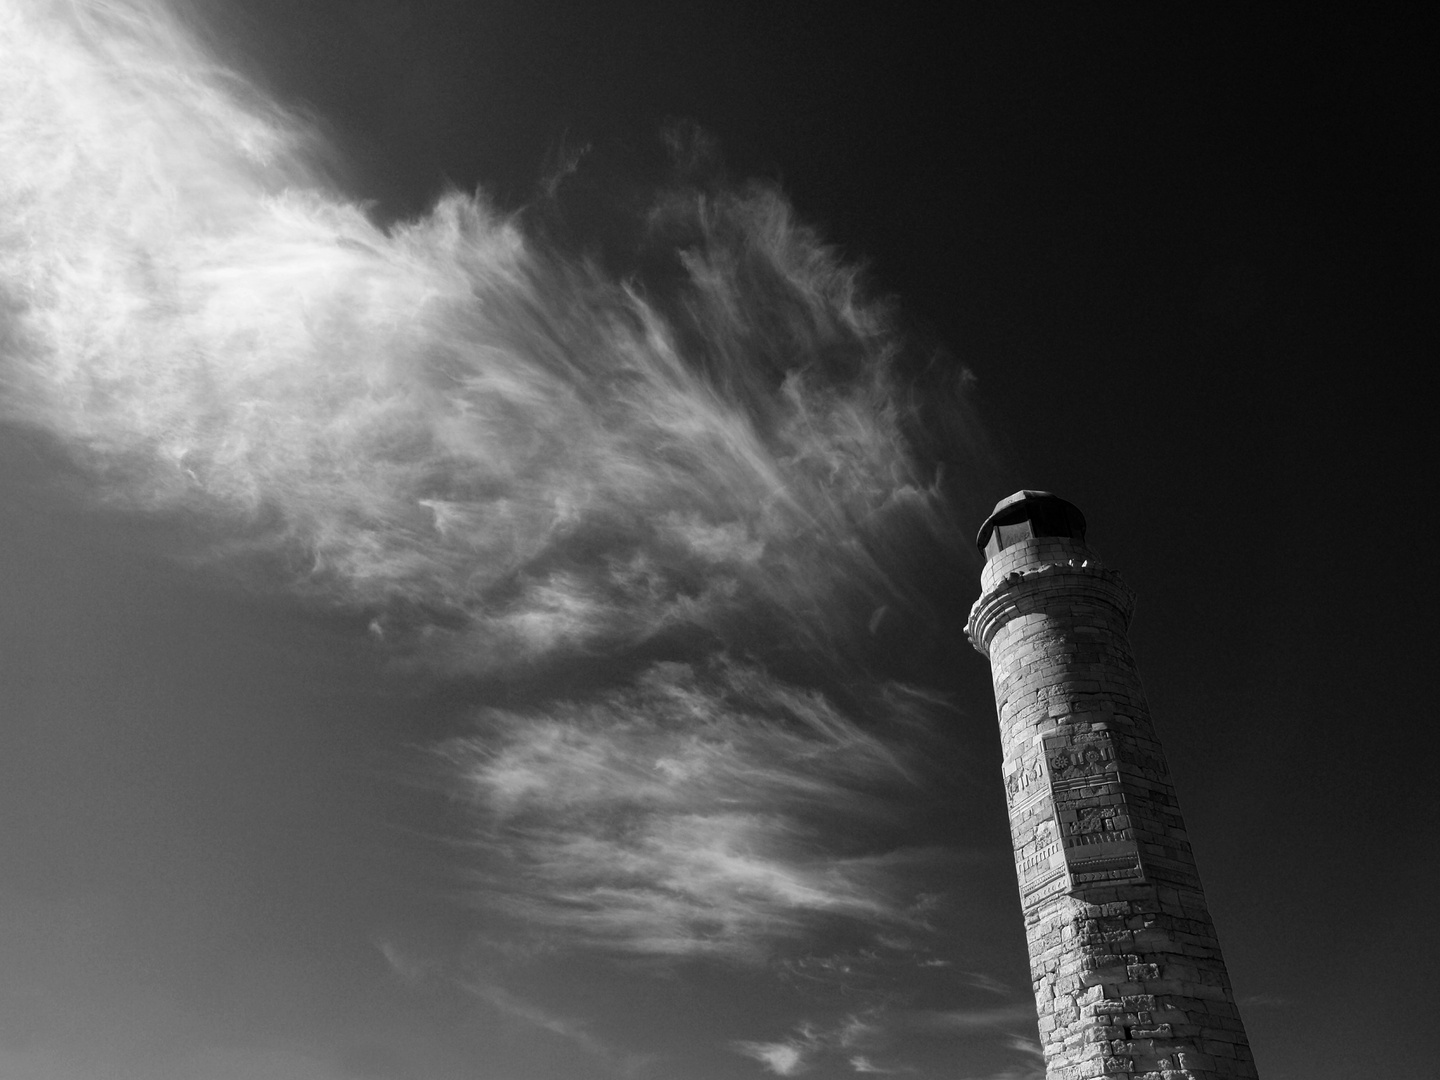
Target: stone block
(1159, 1031)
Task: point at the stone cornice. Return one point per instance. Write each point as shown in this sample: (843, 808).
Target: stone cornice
(1003, 600)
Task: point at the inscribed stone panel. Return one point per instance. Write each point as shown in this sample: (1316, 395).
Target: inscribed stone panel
(1097, 836)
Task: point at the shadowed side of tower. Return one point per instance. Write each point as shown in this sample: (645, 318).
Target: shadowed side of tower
(1128, 976)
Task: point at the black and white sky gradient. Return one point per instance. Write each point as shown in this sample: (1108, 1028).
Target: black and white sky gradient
(488, 493)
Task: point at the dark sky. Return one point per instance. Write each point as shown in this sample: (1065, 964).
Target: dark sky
(1188, 260)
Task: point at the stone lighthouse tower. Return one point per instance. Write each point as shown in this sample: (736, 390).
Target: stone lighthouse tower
(1128, 977)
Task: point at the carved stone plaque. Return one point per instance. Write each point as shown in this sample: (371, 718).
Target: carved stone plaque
(1042, 865)
(1097, 837)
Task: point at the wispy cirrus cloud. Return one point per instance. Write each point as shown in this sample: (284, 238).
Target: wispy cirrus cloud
(862, 1064)
(411, 968)
(698, 812)
(616, 1061)
(840, 1044)
(991, 985)
(874, 1040)
(947, 1020)
(504, 456)
(501, 453)
(787, 1058)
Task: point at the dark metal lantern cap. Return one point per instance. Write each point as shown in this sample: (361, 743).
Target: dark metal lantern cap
(1026, 514)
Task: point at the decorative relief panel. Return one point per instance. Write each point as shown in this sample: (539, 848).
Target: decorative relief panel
(1069, 820)
(1024, 783)
(1097, 836)
(1039, 861)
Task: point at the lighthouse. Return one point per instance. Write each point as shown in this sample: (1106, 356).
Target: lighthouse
(1128, 976)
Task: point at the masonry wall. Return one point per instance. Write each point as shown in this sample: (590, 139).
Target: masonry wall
(1128, 975)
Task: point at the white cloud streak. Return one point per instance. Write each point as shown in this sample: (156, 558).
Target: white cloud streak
(865, 1041)
(948, 1020)
(991, 985)
(498, 451)
(498, 454)
(780, 1058)
(618, 1062)
(862, 1064)
(683, 816)
(810, 1044)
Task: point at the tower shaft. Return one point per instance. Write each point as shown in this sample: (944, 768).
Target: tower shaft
(1128, 976)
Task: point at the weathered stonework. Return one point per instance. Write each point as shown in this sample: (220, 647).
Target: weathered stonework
(1128, 977)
